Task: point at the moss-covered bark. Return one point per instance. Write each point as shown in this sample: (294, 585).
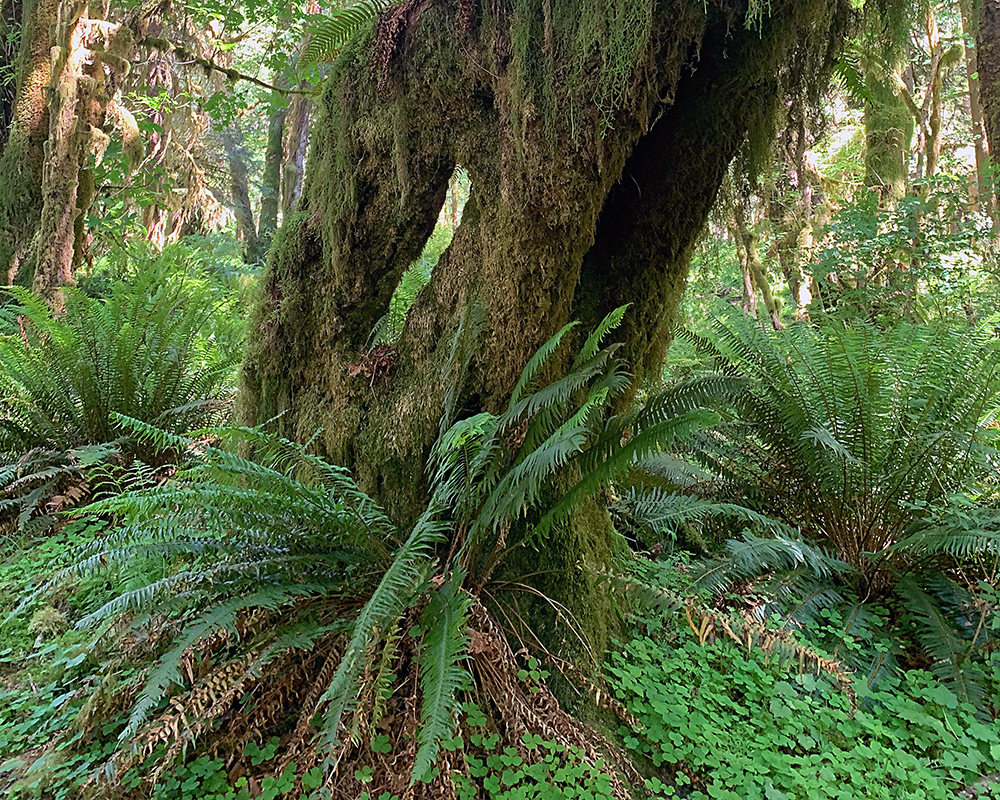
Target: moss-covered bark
(270, 194)
(988, 61)
(595, 150)
(23, 156)
(888, 131)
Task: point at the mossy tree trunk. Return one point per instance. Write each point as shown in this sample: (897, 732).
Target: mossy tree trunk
(89, 61)
(270, 193)
(239, 193)
(23, 156)
(585, 195)
(71, 65)
(292, 168)
(888, 131)
(988, 61)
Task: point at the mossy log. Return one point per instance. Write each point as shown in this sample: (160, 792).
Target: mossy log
(595, 146)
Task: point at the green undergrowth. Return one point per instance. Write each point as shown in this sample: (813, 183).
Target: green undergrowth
(716, 721)
(721, 720)
(551, 773)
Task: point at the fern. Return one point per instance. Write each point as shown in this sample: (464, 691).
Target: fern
(326, 37)
(856, 450)
(222, 616)
(441, 675)
(396, 592)
(938, 636)
(137, 353)
(255, 526)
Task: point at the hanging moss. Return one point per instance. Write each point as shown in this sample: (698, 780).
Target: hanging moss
(23, 156)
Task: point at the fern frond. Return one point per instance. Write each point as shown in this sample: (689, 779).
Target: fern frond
(535, 364)
(442, 676)
(940, 639)
(327, 36)
(395, 593)
(222, 616)
(592, 345)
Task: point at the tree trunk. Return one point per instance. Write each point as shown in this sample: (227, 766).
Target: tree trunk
(754, 274)
(988, 60)
(888, 130)
(748, 299)
(572, 212)
(984, 190)
(89, 61)
(942, 61)
(293, 168)
(890, 114)
(23, 157)
(71, 67)
(239, 191)
(270, 193)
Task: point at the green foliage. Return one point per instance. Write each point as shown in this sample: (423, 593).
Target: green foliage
(442, 677)
(751, 729)
(923, 260)
(137, 353)
(329, 34)
(860, 451)
(845, 429)
(280, 532)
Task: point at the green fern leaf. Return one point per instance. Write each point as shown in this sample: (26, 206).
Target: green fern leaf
(442, 677)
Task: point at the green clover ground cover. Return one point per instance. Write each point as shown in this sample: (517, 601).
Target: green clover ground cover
(728, 724)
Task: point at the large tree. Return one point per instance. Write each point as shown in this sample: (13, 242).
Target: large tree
(596, 135)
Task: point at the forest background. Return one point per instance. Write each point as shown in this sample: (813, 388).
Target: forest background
(499, 399)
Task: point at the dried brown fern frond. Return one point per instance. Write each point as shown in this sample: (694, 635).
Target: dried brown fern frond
(709, 625)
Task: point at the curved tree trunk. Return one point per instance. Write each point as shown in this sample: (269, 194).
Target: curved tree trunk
(571, 213)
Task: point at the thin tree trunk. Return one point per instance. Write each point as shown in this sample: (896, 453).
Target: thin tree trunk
(942, 61)
(270, 193)
(754, 274)
(239, 188)
(293, 168)
(983, 190)
(748, 300)
(797, 273)
(297, 140)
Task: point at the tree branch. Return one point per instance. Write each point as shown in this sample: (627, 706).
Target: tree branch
(232, 74)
